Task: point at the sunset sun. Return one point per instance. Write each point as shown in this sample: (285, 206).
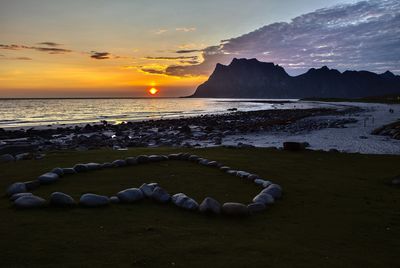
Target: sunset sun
(153, 91)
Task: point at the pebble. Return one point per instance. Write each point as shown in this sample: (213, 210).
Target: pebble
(256, 207)
(235, 209)
(130, 195)
(29, 201)
(93, 200)
(160, 195)
(48, 178)
(15, 188)
(18, 195)
(58, 171)
(148, 189)
(210, 205)
(264, 198)
(61, 200)
(183, 201)
(69, 171)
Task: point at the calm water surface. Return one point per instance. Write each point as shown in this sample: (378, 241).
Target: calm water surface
(43, 112)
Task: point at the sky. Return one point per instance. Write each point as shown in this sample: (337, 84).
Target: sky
(99, 48)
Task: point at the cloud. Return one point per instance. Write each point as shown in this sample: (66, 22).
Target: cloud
(182, 51)
(50, 44)
(172, 58)
(364, 35)
(50, 50)
(100, 55)
(161, 31)
(152, 71)
(14, 58)
(185, 29)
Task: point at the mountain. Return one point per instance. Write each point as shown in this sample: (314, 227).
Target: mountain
(250, 78)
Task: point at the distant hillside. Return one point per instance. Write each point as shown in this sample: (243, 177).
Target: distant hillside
(250, 78)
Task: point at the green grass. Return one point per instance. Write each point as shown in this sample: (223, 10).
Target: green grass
(337, 211)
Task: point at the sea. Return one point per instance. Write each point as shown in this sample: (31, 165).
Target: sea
(22, 113)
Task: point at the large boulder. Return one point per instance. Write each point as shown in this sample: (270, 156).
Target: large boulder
(235, 209)
(93, 200)
(6, 158)
(61, 200)
(48, 178)
(29, 201)
(264, 198)
(210, 205)
(256, 207)
(148, 188)
(160, 195)
(183, 201)
(15, 188)
(130, 195)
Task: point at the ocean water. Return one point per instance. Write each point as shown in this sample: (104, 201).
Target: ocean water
(17, 113)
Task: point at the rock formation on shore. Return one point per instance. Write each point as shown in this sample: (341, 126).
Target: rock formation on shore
(250, 78)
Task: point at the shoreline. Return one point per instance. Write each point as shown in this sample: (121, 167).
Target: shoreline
(338, 128)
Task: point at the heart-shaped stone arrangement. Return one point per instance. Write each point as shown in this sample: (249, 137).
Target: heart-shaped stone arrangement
(22, 198)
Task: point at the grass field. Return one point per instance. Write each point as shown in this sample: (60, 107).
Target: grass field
(337, 211)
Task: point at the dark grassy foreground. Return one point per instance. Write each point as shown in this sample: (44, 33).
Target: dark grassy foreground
(337, 211)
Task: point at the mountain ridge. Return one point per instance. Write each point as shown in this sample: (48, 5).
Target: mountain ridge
(250, 78)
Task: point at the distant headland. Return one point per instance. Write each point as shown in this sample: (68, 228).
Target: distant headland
(250, 78)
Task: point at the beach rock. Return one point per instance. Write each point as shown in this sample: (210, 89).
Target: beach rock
(6, 158)
(69, 171)
(142, 159)
(23, 156)
(294, 146)
(61, 200)
(29, 201)
(193, 157)
(210, 205)
(175, 156)
(224, 168)
(93, 166)
(148, 189)
(114, 200)
(160, 195)
(58, 171)
(130, 195)
(155, 158)
(106, 165)
(274, 190)
(231, 172)
(93, 200)
(264, 198)
(183, 201)
(212, 164)
(235, 209)
(131, 161)
(252, 177)
(203, 162)
(15, 188)
(18, 195)
(31, 185)
(119, 163)
(242, 174)
(256, 207)
(48, 178)
(262, 182)
(80, 168)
